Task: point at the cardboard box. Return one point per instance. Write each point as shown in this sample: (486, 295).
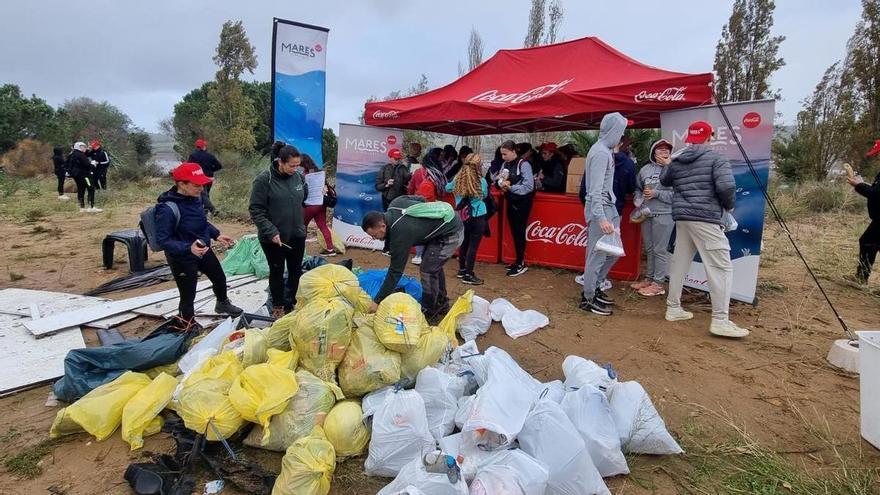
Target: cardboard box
(575, 173)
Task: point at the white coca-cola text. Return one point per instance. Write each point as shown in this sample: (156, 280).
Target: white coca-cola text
(493, 96)
(668, 94)
(358, 239)
(390, 114)
(572, 234)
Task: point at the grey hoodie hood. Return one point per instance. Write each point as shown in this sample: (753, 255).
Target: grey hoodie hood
(658, 142)
(611, 129)
(692, 153)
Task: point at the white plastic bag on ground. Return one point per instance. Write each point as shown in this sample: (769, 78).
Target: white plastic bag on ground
(441, 392)
(550, 437)
(477, 322)
(400, 434)
(589, 411)
(371, 402)
(641, 429)
(512, 472)
(207, 347)
(579, 372)
(611, 244)
(413, 479)
(554, 391)
(464, 410)
(516, 323)
(502, 404)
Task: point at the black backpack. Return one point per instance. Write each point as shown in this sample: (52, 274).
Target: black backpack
(148, 223)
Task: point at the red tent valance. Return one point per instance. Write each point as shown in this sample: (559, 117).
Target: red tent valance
(566, 86)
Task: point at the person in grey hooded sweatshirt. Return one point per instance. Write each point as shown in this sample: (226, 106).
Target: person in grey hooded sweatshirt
(654, 200)
(703, 188)
(599, 212)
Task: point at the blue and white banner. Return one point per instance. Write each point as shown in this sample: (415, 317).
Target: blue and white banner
(752, 123)
(299, 56)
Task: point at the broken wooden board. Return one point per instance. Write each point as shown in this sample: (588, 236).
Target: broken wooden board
(249, 297)
(169, 306)
(23, 302)
(112, 321)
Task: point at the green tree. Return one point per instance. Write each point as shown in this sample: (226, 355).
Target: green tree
(141, 145)
(861, 75)
(231, 117)
(790, 156)
(475, 58)
(329, 147)
(188, 122)
(544, 22)
(22, 118)
(747, 55)
(260, 93)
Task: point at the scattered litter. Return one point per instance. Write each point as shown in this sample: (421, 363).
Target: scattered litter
(516, 323)
(214, 487)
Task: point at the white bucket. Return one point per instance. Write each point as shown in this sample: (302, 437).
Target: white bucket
(869, 385)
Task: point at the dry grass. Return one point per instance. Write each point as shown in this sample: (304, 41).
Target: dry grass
(29, 158)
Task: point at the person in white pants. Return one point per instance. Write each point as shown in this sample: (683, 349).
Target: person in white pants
(703, 188)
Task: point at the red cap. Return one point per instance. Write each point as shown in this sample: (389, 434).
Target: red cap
(699, 132)
(201, 143)
(395, 153)
(876, 149)
(95, 144)
(551, 147)
(191, 172)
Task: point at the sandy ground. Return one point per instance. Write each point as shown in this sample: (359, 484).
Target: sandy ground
(773, 390)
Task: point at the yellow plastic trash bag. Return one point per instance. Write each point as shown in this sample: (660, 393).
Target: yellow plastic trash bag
(306, 410)
(278, 335)
(256, 345)
(307, 467)
(436, 340)
(329, 281)
(145, 407)
(168, 369)
(321, 332)
(99, 412)
(399, 322)
(207, 403)
(338, 243)
(367, 364)
(288, 359)
(224, 367)
(262, 391)
(345, 428)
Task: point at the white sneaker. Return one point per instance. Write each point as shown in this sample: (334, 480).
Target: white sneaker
(727, 329)
(579, 279)
(417, 260)
(96, 210)
(83, 210)
(605, 285)
(678, 314)
(64, 197)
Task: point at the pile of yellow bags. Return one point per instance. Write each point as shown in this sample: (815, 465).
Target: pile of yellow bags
(262, 391)
(367, 364)
(320, 332)
(329, 281)
(204, 403)
(307, 467)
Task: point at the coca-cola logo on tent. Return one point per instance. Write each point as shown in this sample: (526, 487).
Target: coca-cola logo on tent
(571, 234)
(390, 114)
(668, 94)
(494, 96)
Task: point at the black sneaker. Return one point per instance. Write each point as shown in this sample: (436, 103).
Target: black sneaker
(604, 298)
(226, 307)
(461, 273)
(517, 270)
(471, 279)
(595, 307)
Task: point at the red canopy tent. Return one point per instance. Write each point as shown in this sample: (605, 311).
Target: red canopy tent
(565, 86)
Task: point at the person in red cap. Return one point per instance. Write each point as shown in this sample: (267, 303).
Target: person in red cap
(869, 242)
(184, 233)
(101, 163)
(210, 166)
(703, 189)
(393, 178)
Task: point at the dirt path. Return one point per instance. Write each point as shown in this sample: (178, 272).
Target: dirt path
(772, 392)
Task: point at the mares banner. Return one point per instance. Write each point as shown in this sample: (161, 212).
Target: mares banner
(753, 124)
(363, 151)
(299, 56)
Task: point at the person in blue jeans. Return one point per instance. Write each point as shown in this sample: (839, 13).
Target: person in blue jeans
(470, 191)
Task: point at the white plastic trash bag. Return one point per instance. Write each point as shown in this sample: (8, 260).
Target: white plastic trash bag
(579, 372)
(470, 458)
(477, 322)
(374, 400)
(516, 323)
(207, 347)
(550, 437)
(400, 434)
(512, 472)
(502, 404)
(413, 479)
(554, 391)
(730, 223)
(441, 392)
(611, 244)
(464, 410)
(589, 411)
(639, 425)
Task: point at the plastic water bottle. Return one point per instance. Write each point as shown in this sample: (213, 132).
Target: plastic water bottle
(440, 463)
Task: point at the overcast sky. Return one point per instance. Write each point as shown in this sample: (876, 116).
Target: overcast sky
(144, 56)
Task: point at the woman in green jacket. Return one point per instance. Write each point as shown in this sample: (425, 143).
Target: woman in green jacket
(276, 209)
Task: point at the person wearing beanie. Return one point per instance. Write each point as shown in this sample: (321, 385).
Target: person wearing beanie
(59, 165)
(869, 242)
(654, 201)
(210, 166)
(101, 162)
(83, 173)
(185, 236)
(552, 175)
(703, 189)
(393, 178)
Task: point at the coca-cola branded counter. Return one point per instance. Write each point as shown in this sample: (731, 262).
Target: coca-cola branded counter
(556, 236)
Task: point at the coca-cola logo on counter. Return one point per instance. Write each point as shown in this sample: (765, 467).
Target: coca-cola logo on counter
(354, 239)
(572, 234)
(495, 97)
(668, 94)
(390, 114)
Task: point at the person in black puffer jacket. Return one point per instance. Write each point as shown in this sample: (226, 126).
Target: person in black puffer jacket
(59, 165)
(869, 242)
(82, 171)
(210, 166)
(186, 238)
(703, 189)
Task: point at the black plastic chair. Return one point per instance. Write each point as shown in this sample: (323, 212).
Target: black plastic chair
(134, 241)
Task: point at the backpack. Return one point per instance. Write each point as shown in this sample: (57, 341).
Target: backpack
(148, 223)
(437, 210)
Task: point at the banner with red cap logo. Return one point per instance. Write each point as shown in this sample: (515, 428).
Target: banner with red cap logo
(752, 123)
(299, 58)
